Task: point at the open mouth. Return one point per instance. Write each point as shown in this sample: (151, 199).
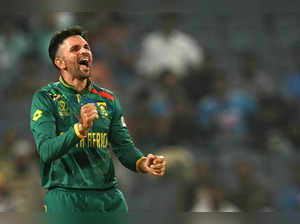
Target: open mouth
(84, 62)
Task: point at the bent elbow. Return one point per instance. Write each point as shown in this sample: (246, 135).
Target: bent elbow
(45, 152)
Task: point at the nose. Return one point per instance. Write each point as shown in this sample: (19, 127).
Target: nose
(84, 50)
(86, 53)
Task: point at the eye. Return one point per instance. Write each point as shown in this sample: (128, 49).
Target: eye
(75, 48)
(86, 46)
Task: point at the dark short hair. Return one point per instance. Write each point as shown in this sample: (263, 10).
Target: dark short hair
(59, 37)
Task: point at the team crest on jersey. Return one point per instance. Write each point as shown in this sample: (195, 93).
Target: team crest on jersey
(63, 110)
(102, 108)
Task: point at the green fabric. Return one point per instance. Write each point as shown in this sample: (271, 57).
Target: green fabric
(65, 159)
(61, 200)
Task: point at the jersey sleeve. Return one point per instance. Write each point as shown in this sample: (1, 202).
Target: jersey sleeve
(121, 142)
(50, 146)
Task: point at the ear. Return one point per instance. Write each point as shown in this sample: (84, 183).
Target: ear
(60, 63)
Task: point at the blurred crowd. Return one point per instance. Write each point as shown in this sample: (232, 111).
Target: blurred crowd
(221, 105)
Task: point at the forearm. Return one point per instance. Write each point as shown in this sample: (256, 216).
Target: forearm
(54, 147)
(128, 156)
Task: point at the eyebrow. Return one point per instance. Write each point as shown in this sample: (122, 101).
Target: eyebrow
(75, 47)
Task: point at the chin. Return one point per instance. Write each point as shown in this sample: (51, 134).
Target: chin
(82, 76)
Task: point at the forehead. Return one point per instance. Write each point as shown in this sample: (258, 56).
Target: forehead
(73, 40)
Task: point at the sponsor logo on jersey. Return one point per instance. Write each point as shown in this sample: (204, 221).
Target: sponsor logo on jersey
(37, 114)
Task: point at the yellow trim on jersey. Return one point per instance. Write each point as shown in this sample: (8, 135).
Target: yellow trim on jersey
(61, 79)
(45, 208)
(78, 98)
(137, 166)
(76, 128)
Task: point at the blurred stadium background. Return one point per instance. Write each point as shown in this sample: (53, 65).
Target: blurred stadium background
(218, 94)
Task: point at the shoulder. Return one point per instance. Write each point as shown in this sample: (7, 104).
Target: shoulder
(185, 39)
(98, 88)
(47, 91)
(103, 92)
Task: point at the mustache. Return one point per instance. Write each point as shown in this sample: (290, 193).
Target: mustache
(85, 55)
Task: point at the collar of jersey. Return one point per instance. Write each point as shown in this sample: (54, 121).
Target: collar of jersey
(72, 88)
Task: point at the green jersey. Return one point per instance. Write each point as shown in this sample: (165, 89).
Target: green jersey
(68, 159)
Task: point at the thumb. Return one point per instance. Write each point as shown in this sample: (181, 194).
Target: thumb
(150, 159)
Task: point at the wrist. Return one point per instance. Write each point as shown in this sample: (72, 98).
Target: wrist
(79, 130)
(140, 165)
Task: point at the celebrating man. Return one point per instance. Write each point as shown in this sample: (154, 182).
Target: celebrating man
(74, 123)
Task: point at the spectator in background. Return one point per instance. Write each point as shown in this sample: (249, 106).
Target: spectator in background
(168, 49)
(213, 199)
(225, 111)
(292, 85)
(274, 137)
(5, 195)
(7, 141)
(24, 177)
(143, 118)
(172, 189)
(207, 197)
(13, 46)
(249, 195)
(171, 110)
(290, 197)
(117, 48)
(43, 28)
(252, 79)
(272, 121)
(19, 174)
(292, 97)
(199, 81)
(33, 69)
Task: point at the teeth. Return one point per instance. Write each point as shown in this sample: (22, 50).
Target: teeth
(84, 62)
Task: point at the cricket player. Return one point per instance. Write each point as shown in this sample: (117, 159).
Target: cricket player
(74, 123)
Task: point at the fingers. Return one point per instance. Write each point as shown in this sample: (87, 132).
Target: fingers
(92, 116)
(158, 159)
(156, 165)
(158, 172)
(89, 110)
(88, 114)
(149, 160)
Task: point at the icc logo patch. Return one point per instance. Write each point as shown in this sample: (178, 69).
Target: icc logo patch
(63, 110)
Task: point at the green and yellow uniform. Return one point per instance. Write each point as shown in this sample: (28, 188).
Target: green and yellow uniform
(77, 169)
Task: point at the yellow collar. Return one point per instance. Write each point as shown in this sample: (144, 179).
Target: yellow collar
(62, 81)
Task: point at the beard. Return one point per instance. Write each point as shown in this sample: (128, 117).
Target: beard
(81, 76)
(78, 72)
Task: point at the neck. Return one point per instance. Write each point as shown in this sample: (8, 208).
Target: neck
(78, 84)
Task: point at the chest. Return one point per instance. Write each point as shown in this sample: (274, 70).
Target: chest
(68, 106)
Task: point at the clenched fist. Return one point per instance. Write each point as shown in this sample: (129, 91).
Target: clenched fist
(88, 114)
(153, 164)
